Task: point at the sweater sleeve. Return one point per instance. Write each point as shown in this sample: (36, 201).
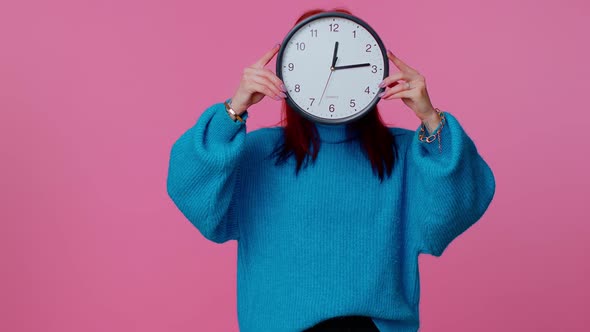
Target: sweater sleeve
(203, 173)
(450, 189)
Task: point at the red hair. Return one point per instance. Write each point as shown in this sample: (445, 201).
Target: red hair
(301, 134)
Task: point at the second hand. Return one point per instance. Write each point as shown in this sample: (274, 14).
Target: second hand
(328, 81)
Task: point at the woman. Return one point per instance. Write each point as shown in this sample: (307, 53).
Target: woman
(327, 241)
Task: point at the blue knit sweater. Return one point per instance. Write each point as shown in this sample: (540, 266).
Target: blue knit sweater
(334, 240)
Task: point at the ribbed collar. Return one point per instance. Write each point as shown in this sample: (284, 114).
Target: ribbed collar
(334, 133)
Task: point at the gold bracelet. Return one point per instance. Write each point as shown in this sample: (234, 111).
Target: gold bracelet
(230, 111)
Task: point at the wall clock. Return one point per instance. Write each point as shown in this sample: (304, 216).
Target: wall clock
(331, 64)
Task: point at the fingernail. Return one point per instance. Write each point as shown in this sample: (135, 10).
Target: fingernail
(283, 87)
(381, 94)
(276, 98)
(382, 84)
(283, 95)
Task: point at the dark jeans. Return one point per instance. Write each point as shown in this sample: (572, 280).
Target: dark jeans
(345, 324)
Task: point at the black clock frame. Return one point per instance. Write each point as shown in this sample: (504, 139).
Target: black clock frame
(303, 23)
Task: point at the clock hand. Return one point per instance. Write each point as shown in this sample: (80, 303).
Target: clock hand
(334, 57)
(352, 66)
(331, 71)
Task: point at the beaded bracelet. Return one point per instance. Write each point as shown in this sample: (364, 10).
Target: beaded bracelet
(437, 130)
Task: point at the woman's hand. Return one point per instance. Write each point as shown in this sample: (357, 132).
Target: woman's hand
(412, 92)
(258, 82)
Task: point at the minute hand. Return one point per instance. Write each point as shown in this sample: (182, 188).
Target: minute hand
(352, 66)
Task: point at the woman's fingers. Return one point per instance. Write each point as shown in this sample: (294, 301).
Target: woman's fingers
(393, 78)
(392, 85)
(258, 69)
(267, 74)
(399, 88)
(263, 77)
(402, 66)
(267, 57)
(274, 78)
(268, 88)
(400, 94)
(398, 62)
(394, 89)
(256, 87)
(413, 89)
(258, 82)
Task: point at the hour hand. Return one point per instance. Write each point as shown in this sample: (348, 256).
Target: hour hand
(335, 57)
(353, 66)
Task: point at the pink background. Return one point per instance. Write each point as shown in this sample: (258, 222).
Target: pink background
(94, 93)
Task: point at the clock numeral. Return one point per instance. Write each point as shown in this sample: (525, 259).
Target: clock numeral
(367, 90)
(314, 32)
(334, 27)
(291, 66)
(300, 46)
(352, 103)
(331, 108)
(368, 48)
(298, 88)
(354, 34)
(312, 100)
(374, 69)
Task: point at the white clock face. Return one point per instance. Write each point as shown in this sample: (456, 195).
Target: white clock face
(333, 94)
